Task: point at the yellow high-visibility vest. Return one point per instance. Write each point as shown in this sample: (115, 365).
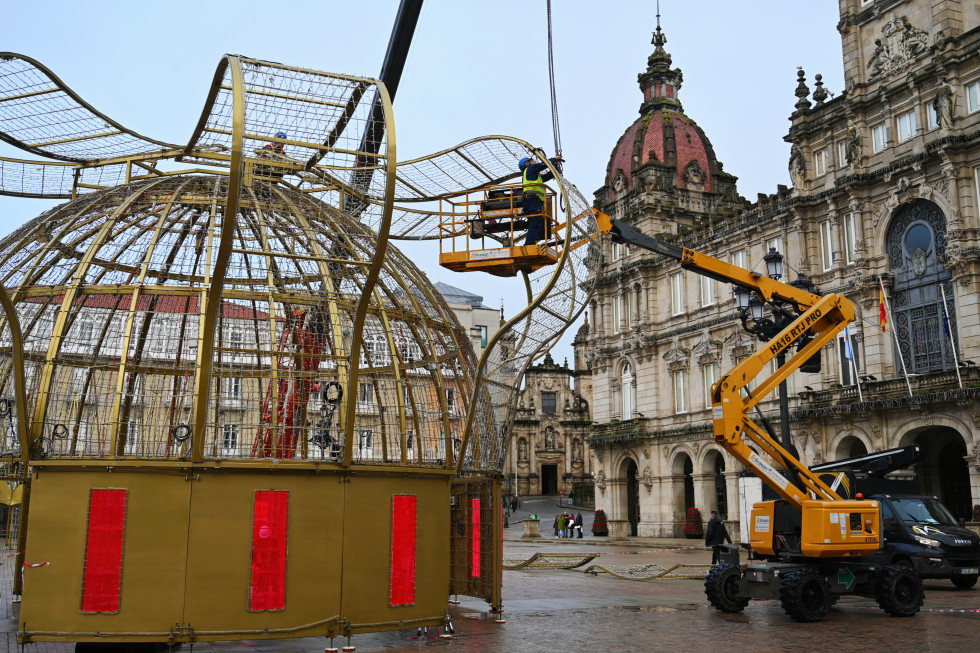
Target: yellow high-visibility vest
(535, 186)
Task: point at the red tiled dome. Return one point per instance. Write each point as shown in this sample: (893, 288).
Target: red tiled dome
(663, 135)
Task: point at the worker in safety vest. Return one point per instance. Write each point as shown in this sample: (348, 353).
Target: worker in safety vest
(275, 148)
(534, 175)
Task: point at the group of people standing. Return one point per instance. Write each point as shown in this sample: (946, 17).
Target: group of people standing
(567, 525)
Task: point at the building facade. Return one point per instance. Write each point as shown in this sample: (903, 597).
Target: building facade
(548, 454)
(883, 210)
(479, 321)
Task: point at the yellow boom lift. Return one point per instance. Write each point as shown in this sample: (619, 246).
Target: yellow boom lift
(807, 548)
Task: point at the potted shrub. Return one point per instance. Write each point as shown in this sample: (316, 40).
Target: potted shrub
(694, 528)
(599, 526)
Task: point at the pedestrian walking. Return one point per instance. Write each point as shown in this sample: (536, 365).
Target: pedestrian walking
(578, 524)
(715, 536)
(555, 525)
(561, 525)
(513, 503)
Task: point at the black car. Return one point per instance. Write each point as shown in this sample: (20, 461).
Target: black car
(920, 531)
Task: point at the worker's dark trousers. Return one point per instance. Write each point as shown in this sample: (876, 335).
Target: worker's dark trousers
(535, 224)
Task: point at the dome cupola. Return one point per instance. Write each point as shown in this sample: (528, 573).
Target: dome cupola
(664, 149)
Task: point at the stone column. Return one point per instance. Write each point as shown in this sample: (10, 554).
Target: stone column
(705, 496)
(651, 510)
(619, 529)
(975, 477)
(734, 521)
(616, 489)
(675, 512)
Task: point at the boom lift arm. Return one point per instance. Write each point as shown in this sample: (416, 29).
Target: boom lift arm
(819, 318)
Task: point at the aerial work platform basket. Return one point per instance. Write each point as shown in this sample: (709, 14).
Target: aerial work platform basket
(484, 230)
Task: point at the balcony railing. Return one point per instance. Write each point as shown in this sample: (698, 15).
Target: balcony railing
(874, 395)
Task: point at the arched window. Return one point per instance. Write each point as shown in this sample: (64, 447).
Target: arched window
(916, 245)
(628, 391)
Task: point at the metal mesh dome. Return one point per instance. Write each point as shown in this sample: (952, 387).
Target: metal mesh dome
(112, 289)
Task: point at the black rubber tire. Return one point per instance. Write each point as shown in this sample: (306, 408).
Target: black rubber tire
(898, 591)
(721, 588)
(805, 595)
(964, 582)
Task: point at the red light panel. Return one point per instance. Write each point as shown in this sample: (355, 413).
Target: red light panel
(270, 516)
(102, 576)
(476, 539)
(403, 543)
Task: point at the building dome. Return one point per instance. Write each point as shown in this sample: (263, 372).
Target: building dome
(665, 136)
(112, 294)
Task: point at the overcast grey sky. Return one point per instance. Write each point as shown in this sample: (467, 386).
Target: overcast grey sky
(475, 68)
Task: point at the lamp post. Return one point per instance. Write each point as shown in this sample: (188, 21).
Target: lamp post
(752, 314)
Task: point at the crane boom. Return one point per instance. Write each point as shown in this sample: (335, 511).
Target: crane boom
(818, 321)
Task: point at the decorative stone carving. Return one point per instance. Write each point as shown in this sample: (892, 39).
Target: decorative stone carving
(944, 105)
(797, 168)
(694, 174)
(804, 436)
(853, 147)
(897, 50)
(819, 93)
(600, 481)
(802, 104)
(707, 351)
(619, 182)
(677, 358)
(647, 479)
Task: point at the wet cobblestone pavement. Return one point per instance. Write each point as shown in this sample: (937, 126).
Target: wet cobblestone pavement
(567, 610)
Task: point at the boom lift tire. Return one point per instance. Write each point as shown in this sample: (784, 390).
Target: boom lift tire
(805, 595)
(964, 582)
(898, 591)
(721, 587)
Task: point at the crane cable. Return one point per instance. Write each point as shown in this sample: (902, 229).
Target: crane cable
(555, 128)
(554, 98)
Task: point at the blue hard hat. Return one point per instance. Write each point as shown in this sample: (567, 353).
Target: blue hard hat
(280, 134)
(523, 162)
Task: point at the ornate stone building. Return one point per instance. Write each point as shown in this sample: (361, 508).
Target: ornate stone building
(886, 190)
(548, 451)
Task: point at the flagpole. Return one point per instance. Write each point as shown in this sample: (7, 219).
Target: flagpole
(891, 319)
(949, 332)
(850, 350)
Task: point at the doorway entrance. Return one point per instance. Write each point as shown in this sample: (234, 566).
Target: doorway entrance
(632, 497)
(943, 470)
(549, 479)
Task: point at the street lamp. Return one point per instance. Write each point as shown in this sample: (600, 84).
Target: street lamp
(751, 311)
(774, 264)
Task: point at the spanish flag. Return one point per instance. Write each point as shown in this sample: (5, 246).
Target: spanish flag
(882, 318)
